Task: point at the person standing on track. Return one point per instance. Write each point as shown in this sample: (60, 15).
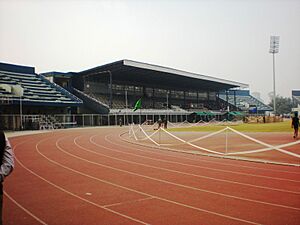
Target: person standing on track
(295, 124)
(159, 123)
(7, 165)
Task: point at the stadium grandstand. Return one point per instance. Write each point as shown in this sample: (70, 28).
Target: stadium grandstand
(296, 101)
(107, 94)
(22, 91)
(165, 92)
(244, 101)
(296, 98)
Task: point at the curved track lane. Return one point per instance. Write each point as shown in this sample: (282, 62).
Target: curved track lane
(91, 176)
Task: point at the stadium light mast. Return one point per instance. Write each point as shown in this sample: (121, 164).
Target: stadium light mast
(274, 48)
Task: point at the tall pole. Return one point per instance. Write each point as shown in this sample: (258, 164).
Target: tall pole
(274, 89)
(274, 48)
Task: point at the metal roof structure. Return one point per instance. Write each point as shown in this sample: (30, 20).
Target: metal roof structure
(58, 74)
(164, 77)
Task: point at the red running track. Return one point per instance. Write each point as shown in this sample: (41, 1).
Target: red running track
(91, 176)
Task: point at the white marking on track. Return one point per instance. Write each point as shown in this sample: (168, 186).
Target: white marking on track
(128, 202)
(72, 194)
(24, 209)
(176, 184)
(189, 165)
(17, 203)
(203, 160)
(163, 199)
(176, 171)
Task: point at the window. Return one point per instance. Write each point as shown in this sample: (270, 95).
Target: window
(202, 95)
(212, 96)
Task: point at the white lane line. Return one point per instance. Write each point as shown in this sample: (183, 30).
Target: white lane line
(15, 201)
(184, 164)
(24, 209)
(128, 202)
(202, 160)
(179, 172)
(72, 194)
(172, 183)
(278, 147)
(133, 190)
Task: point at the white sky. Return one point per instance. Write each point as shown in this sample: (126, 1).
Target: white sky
(226, 39)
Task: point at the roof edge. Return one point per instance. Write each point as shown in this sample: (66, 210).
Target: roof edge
(141, 65)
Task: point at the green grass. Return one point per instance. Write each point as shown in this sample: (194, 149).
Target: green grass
(266, 127)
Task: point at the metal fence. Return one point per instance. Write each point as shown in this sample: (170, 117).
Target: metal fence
(58, 121)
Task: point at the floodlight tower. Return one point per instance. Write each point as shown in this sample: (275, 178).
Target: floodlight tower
(274, 48)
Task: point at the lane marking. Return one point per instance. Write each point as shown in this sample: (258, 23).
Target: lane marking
(123, 187)
(128, 202)
(15, 201)
(176, 171)
(171, 202)
(172, 183)
(202, 160)
(184, 164)
(24, 209)
(72, 194)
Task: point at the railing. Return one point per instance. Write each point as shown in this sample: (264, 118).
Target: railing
(248, 99)
(91, 102)
(65, 92)
(60, 121)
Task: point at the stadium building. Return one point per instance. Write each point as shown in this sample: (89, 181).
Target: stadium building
(296, 101)
(106, 95)
(296, 97)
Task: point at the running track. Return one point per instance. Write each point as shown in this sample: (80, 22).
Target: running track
(91, 176)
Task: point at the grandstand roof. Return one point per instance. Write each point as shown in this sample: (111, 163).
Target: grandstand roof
(58, 74)
(16, 68)
(139, 72)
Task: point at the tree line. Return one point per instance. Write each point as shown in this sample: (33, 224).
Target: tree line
(284, 105)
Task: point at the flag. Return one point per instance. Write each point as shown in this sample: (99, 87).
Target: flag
(137, 105)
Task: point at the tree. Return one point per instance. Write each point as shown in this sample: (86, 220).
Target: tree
(283, 105)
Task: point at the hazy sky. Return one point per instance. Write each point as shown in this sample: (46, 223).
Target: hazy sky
(226, 39)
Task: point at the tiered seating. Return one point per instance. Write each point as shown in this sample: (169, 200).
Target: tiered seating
(296, 101)
(296, 97)
(118, 102)
(244, 100)
(36, 89)
(101, 98)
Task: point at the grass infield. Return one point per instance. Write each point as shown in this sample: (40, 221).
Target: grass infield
(261, 127)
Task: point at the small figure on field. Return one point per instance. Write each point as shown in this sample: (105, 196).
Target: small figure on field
(165, 124)
(159, 122)
(295, 124)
